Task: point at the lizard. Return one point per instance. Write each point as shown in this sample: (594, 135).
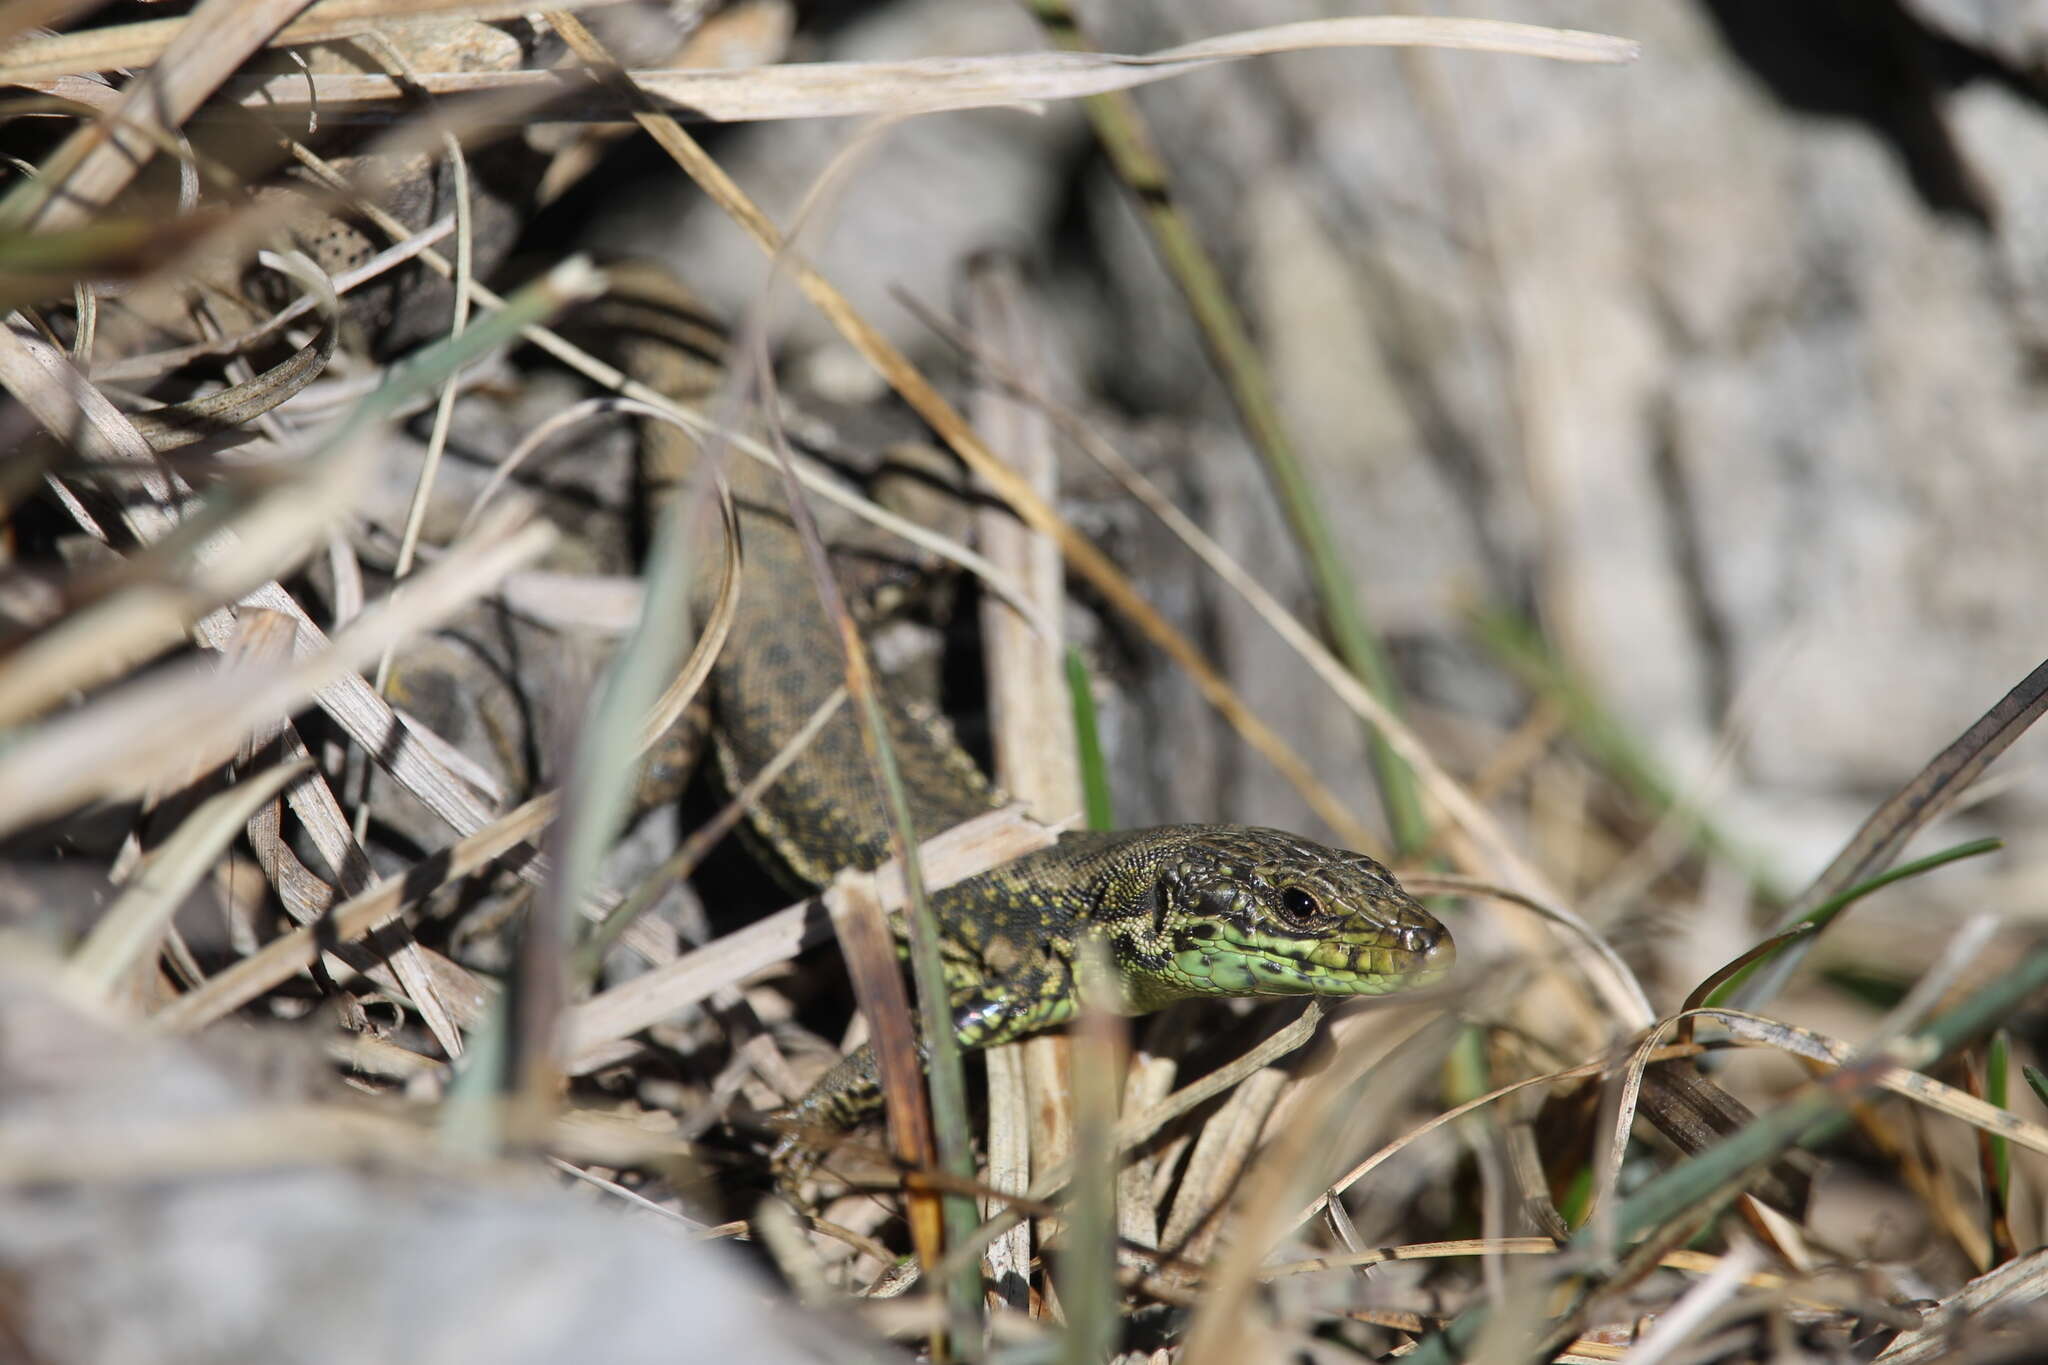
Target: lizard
(1186, 911)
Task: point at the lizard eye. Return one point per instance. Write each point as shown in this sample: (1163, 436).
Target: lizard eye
(1299, 907)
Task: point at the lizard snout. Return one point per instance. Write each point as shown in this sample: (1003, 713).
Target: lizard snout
(1434, 951)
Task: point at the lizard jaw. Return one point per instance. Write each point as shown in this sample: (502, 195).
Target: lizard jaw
(1270, 964)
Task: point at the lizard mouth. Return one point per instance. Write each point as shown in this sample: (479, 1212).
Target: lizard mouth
(1270, 964)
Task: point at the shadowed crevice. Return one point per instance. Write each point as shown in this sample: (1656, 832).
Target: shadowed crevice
(1872, 62)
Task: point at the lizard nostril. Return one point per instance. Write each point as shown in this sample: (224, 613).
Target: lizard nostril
(1433, 946)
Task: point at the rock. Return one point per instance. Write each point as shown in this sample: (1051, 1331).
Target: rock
(175, 1254)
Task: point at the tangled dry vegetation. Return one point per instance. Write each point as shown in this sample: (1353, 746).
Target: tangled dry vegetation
(355, 1004)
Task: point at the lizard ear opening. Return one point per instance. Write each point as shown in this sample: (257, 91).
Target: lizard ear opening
(1162, 905)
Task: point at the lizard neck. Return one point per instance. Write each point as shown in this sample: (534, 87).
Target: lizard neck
(1130, 911)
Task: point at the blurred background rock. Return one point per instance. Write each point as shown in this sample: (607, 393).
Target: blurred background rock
(195, 1203)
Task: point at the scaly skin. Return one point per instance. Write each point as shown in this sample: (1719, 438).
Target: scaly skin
(1185, 910)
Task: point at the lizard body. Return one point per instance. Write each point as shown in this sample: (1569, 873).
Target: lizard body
(1185, 910)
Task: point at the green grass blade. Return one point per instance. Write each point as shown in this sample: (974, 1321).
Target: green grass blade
(1732, 990)
(1095, 795)
(2036, 1082)
(472, 1119)
(1998, 1091)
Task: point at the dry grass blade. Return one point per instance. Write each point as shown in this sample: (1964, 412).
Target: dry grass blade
(444, 993)
(135, 923)
(271, 1137)
(2008, 1289)
(142, 732)
(869, 948)
(43, 380)
(1416, 1251)
(1472, 35)
(1692, 1261)
(665, 710)
(932, 85)
(230, 409)
(39, 269)
(594, 605)
(1913, 1085)
(1033, 723)
(418, 760)
(447, 995)
(25, 15)
(1216, 1161)
(1227, 1325)
(140, 44)
(277, 962)
(1035, 753)
(1400, 1144)
(444, 405)
(1936, 982)
(565, 420)
(1008, 1262)
(160, 362)
(99, 160)
(1686, 1317)
(1597, 958)
(625, 1009)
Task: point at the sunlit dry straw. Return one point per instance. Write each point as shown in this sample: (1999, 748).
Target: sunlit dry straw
(625, 1009)
(937, 84)
(137, 733)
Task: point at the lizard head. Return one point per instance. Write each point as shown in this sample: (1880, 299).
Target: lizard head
(1243, 911)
